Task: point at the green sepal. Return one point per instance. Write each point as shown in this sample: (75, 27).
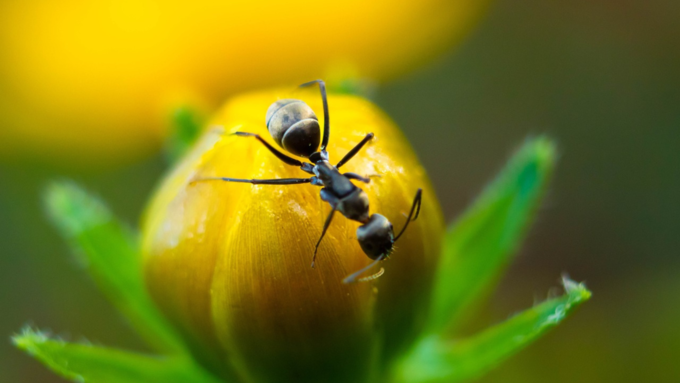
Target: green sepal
(185, 128)
(110, 253)
(481, 243)
(87, 363)
(435, 360)
(353, 86)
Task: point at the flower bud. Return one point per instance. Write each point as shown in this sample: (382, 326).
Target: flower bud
(229, 263)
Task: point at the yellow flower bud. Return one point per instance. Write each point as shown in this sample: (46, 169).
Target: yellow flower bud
(229, 263)
(96, 80)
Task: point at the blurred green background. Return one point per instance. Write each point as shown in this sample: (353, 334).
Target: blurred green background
(602, 77)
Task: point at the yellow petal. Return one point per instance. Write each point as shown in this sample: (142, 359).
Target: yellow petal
(229, 263)
(95, 80)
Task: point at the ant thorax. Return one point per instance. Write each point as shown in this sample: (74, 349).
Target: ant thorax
(295, 127)
(332, 179)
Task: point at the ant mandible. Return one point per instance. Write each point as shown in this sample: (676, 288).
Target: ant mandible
(295, 128)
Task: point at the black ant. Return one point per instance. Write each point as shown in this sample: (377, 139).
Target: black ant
(295, 127)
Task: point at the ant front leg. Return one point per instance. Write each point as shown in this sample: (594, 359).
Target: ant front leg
(288, 160)
(355, 150)
(354, 277)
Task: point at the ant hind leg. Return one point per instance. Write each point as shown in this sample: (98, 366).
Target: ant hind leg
(323, 233)
(274, 181)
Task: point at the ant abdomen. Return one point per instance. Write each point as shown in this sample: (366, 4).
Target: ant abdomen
(294, 126)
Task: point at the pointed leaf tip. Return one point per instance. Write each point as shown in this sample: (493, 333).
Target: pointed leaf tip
(576, 291)
(87, 363)
(110, 252)
(436, 359)
(481, 242)
(72, 209)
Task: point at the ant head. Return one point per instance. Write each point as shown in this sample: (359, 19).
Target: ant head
(376, 237)
(294, 126)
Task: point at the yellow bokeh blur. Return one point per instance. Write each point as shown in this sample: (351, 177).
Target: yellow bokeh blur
(96, 81)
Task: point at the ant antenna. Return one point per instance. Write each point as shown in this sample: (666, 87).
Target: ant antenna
(326, 121)
(416, 208)
(353, 277)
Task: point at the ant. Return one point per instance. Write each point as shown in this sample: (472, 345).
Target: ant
(295, 128)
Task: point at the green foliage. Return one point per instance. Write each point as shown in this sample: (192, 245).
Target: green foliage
(436, 359)
(477, 247)
(87, 363)
(185, 128)
(480, 244)
(354, 86)
(110, 252)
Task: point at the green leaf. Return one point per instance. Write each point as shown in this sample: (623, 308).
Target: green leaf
(87, 363)
(110, 253)
(353, 86)
(480, 244)
(185, 129)
(434, 360)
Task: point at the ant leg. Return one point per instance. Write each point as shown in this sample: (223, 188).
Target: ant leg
(326, 118)
(354, 176)
(325, 227)
(288, 160)
(353, 277)
(416, 208)
(355, 150)
(275, 181)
